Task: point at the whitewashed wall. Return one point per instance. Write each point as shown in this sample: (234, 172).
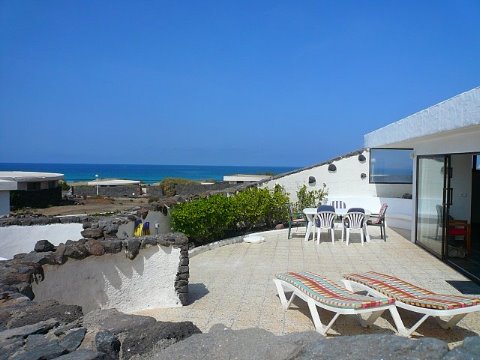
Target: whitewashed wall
(113, 281)
(21, 239)
(346, 181)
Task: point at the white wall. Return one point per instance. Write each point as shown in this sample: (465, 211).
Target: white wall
(4, 203)
(113, 281)
(22, 239)
(346, 181)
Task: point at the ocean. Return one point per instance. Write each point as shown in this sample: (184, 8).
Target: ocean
(148, 174)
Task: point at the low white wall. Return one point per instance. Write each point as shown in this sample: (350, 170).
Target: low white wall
(21, 239)
(113, 281)
(345, 180)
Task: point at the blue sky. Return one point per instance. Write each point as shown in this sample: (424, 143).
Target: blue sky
(288, 83)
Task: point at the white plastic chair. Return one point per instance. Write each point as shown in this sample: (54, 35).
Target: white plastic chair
(354, 221)
(325, 220)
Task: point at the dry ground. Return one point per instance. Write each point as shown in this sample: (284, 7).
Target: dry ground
(93, 206)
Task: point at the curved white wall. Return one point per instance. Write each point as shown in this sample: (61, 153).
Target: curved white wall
(21, 239)
(113, 281)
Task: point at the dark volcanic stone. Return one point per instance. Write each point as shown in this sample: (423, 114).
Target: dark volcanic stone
(108, 343)
(47, 350)
(223, 343)
(43, 246)
(83, 354)
(157, 337)
(115, 321)
(76, 250)
(95, 247)
(73, 339)
(41, 327)
(112, 246)
(92, 233)
(132, 248)
(470, 350)
(386, 347)
(35, 312)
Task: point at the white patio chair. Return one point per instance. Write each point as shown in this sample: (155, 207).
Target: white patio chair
(324, 220)
(354, 221)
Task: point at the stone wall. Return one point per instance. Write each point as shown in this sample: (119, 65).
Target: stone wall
(150, 272)
(18, 275)
(110, 191)
(188, 189)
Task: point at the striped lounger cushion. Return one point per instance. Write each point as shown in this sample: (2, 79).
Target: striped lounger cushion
(329, 293)
(410, 294)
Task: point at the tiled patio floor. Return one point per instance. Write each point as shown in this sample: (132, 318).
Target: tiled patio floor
(233, 284)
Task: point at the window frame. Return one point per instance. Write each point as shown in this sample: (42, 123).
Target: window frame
(387, 182)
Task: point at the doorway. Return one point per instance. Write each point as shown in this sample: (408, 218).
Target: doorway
(448, 199)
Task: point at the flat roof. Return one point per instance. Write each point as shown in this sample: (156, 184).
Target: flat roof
(245, 177)
(113, 182)
(7, 185)
(26, 176)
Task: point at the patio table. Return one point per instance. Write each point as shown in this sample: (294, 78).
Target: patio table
(311, 212)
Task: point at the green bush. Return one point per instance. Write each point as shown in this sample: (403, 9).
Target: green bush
(168, 185)
(204, 220)
(210, 219)
(308, 199)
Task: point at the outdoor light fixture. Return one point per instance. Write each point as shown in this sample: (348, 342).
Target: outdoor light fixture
(332, 168)
(363, 175)
(311, 180)
(361, 158)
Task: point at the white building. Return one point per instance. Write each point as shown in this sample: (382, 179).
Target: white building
(441, 147)
(24, 181)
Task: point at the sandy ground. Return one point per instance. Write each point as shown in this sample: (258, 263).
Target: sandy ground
(93, 206)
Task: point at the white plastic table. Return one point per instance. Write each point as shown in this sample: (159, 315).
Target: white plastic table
(311, 212)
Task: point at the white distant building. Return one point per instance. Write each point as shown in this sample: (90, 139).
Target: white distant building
(244, 178)
(29, 182)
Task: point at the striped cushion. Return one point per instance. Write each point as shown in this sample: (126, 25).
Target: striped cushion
(329, 293)
(410, 294)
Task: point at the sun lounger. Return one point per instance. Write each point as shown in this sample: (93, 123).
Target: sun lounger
(414, 298)
(319, 291)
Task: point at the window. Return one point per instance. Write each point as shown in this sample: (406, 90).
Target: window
(391, 166)
(31, 186)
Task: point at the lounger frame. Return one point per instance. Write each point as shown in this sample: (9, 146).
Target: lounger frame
(453, 316)
(375, 312)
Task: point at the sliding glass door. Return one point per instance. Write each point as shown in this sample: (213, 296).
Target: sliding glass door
(432, 202)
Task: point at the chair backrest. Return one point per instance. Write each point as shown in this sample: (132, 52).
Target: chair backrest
(325, 219)
(383, 210)
(338, 204)
(146, 225)
(325, 208)
(354, 220)
(362, 210)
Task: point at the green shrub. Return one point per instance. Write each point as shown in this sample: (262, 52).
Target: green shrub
(204, 220)
(168, 185)
(308, 199)
(210, 219)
